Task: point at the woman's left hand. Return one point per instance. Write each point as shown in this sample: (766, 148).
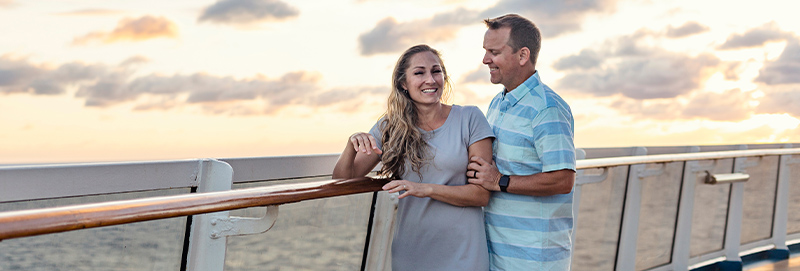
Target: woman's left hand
(419, 190)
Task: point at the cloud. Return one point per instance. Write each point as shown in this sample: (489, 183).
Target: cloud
(20, 76)
(756, 37)
(391, 36)
(480, 76)
(553, 17)
(243, 12)
(782, 99)
(586, 59)
(731, 105)
(105, 86)
(90, 12)
(634, 70)
(687, 29)
(129, 29)
(785, 69)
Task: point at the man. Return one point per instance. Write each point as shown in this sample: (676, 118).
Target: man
(529, 216)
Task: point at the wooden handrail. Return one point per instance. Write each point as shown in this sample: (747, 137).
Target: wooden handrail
(25, 223)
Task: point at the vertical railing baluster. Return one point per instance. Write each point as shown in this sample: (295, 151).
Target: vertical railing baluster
(576, 197)
(733, 225)
(629, 232)
(207, 252)
(781, 217)
(683, 228)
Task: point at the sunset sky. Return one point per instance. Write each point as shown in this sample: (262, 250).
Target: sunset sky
(84, 81)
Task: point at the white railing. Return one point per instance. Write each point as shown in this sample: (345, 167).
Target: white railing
(638, 212)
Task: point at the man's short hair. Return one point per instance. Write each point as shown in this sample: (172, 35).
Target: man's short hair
(523, 33)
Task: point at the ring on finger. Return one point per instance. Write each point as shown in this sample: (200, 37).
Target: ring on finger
(474, 174)
(404, 186)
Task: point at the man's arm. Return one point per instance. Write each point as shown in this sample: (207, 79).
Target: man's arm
(541, 184)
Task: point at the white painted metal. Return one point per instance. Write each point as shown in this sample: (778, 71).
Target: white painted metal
(234, 226)
(281, 167)
(726, 178)
(576, 197)
(733, 228)
(626, 252)
(683, 227)
(66, 180)
(207, 253)
(781, 204)
(666, 158)
(379, 255)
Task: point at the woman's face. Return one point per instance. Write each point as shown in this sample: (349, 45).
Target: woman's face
(424, 78)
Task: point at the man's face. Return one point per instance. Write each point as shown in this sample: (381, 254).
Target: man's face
(503, 63)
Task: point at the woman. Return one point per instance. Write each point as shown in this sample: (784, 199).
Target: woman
(424, 146)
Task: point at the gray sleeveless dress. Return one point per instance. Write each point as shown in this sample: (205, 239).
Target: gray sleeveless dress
(433, 235)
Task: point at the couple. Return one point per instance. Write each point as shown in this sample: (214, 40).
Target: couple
(440, 158)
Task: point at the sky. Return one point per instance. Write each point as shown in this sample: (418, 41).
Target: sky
(90, 81)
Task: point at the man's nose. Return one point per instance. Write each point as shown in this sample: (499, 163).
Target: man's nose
(486, 58)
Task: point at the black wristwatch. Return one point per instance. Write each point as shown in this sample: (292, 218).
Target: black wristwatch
(504, 183)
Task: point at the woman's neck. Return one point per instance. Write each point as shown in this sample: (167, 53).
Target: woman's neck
(432, 116)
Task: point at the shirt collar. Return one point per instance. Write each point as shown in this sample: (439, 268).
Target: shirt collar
(532, 83)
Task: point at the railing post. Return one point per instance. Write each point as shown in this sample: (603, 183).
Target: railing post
(626, 252)
(781, 218)
(207, 252)
(379, 256)
(683, 230)
(576, 198)
(733, 227)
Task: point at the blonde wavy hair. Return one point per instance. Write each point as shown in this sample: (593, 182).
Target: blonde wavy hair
(402, 140)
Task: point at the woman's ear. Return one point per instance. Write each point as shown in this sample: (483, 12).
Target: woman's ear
(524, 56)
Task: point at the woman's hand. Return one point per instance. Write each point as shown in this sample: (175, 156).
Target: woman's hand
(419, 190)
(364, 142)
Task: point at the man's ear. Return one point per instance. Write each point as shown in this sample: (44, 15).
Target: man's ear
(524, 56)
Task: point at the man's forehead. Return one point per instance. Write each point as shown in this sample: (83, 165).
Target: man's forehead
(496, 38)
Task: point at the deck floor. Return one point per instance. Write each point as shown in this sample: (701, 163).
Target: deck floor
(792, 264)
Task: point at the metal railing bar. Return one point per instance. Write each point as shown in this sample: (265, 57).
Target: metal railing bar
(666, 158)
(25, 223)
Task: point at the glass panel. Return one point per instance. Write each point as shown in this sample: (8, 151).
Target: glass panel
(657, 216)
(793, 225)
(759, 199)
(153, 245)
(710, 210)
(598, 221)
(322, 234)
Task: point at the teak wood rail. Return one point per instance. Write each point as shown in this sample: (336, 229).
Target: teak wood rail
(60, 219)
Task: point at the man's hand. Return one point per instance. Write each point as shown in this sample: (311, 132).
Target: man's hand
(483, 173)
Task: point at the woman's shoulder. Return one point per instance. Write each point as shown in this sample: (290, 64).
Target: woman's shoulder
(468, 109)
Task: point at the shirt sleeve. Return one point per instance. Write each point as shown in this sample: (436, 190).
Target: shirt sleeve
(553, 139)
(376, 133)
(479, 128)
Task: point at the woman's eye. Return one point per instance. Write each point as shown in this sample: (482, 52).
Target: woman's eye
(437, 71)
(418, 73)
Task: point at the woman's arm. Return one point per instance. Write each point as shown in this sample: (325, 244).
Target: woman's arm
(461, 195)
(359, 157)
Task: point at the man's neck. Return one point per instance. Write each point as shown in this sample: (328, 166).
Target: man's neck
(520, 80)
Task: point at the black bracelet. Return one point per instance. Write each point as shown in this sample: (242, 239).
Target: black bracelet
(504, 183)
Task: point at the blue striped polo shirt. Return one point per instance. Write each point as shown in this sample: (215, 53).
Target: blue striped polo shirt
(535, 131)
